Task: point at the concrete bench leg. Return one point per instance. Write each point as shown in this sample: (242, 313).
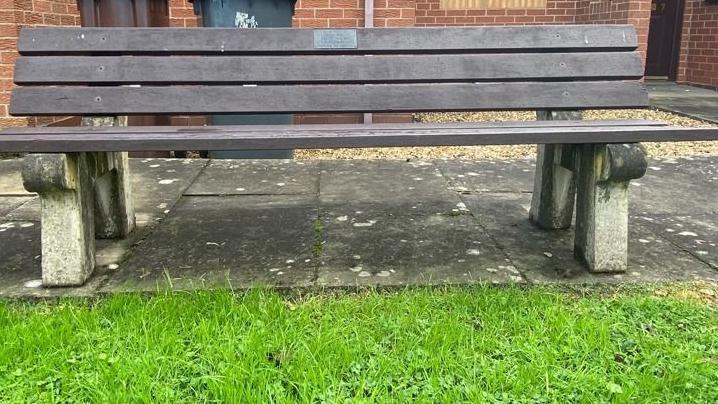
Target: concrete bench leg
(83, 196)
(554, 184)
(68, 240)
(114, 211)
(604, 172)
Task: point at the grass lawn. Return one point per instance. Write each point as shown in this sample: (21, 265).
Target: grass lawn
(479, 344)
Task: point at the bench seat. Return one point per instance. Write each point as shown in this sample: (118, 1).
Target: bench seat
(267, 137)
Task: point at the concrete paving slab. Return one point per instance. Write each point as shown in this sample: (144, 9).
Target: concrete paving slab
(157, 184)
(11, 178)
(691, 101)
(392, 186)
(9, 203)
(20, 260)
(547, 256)
(696, 234)
(396, 223)
(30, 210)
(237, 241)
(376, 223)
(408, 249)
(489, 175)
(681, 186)
(257, 177)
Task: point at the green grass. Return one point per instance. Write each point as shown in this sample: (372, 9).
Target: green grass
(455, 345)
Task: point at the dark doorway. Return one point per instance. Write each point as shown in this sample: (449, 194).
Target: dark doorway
(664, 38)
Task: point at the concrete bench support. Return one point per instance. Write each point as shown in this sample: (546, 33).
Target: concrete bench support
(83, 196)
(68, 240)
(604, 172)
(114, 211)
(554, 184)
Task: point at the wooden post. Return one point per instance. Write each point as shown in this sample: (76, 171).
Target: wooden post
(554, 183)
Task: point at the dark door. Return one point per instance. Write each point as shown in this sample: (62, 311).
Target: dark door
(663, 39)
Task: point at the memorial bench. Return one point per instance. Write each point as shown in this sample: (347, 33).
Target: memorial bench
(105, 74)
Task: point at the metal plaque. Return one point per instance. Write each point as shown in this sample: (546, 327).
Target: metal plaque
(335, 39)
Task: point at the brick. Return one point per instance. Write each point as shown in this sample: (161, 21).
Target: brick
(400, 22)
(303, 13)
(329, 13)
(341, 4)
(314, 23)
(387, 13)
(353, 13)
(343, 22)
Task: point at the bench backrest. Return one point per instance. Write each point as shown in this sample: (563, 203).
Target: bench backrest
(126, 71)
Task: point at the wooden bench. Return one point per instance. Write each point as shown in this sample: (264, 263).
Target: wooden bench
(105, 74)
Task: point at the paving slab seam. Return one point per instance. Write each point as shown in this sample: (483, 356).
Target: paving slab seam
(194, 179)
(140, 235)
(498, 245)
(233, 194)
(684, 249)
(318, 238)
(18, 195)
(478, 222)
(6, 216)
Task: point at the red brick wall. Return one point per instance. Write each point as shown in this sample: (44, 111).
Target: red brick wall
(635, 12)
(15, 14)
(428, 14)
(328, 13)
(182, 14)
(698, 60)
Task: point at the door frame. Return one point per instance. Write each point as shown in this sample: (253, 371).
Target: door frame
(676, 44)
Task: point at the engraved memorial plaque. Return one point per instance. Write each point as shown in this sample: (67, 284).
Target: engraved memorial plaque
(335, 39)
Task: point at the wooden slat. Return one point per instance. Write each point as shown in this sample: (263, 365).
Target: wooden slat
(325, 69)
(326, 98)
(72, 40)
(384, 127)
(201, 138)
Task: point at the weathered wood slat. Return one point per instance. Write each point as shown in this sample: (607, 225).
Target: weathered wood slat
(384, 127)
(326, 68)
(72, 40)
(359, 136)
(326, 98)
